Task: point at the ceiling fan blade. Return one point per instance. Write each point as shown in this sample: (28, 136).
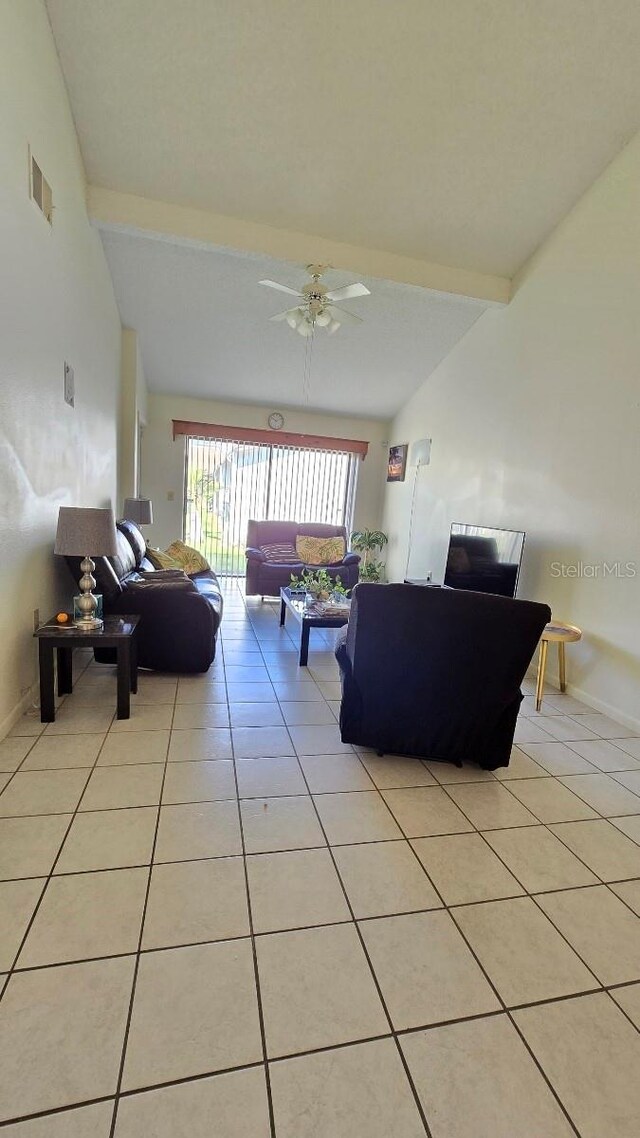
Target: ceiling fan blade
(348, 292)
(281, 287)
(282, 315)
(342, 316)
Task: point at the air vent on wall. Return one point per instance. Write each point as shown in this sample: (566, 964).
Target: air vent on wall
(40, 189)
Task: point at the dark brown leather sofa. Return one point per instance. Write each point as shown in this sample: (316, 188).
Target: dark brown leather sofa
(436, 672)
(265, 577)
(180, 614)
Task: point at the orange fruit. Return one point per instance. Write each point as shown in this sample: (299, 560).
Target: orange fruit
(62, 617)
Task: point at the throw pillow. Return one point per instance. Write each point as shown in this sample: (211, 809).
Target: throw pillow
(188, 558)
(320, 550)
(161, 560)
(282, 553)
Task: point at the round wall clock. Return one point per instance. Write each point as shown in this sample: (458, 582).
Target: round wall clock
(276, 421)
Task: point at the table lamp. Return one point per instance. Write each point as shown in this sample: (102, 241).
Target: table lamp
(138, 510)
(82, 532)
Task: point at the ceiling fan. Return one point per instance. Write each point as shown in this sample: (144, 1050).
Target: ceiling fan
(317, 307)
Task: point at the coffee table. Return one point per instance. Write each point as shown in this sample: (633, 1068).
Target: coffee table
(295, 603)
(117, 632)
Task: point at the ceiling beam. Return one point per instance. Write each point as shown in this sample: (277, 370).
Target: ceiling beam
(109, 209)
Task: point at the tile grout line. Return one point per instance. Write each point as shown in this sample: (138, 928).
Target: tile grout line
(39, 736)
(599, 988)
(404, 1031)
(494, 989)
(527, 894)
(48, 877)
(399, 1050)
(543, 892)
(254, 954)
(363, 946)
(136, 967)
(533, 897)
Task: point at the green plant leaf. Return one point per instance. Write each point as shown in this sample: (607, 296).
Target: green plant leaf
(368, 539)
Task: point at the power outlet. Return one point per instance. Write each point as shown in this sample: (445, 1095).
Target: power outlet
(170, 496)
(36, 619)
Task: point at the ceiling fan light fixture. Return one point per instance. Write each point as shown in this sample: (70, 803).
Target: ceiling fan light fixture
(316, 303)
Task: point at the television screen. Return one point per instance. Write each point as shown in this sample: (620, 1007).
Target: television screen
(484, 560)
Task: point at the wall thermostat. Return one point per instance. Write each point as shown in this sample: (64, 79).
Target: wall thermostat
(276, 421)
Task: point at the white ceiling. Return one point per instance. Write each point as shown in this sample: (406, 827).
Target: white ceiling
(459, 131)
(204, 329)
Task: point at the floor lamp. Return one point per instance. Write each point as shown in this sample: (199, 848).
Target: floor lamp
(420, 455)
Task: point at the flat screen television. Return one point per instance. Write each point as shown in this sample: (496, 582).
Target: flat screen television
(484, 560)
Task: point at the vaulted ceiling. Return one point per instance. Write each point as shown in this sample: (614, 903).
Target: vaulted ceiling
(204, 328)
(453, 133)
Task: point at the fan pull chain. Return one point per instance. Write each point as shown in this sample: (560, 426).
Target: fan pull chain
(306, 379)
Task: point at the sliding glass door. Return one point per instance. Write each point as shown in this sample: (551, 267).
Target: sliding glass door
(228, 482)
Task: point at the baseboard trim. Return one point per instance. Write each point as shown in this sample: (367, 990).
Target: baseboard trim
(31, 698)
(592, 701)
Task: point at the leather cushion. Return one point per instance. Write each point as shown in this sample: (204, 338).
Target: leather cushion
(124, 562)
(135, 539)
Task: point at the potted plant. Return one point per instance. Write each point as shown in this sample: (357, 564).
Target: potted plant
(367, 542)
(317, 583)
(296, 585)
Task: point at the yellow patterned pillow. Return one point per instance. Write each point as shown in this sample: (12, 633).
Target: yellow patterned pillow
(161, 560)
(320, 550)
(187, 558)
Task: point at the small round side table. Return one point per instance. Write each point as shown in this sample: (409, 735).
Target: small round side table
(555, 633)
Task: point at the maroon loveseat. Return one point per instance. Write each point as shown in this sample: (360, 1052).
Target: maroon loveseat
(265, 577)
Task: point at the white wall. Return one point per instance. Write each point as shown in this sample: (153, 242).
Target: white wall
(56, 304)
(163, 459)
(535, 420)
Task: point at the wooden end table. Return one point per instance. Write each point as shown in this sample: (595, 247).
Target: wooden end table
(117, 632)
(560, 634)
(295, 604)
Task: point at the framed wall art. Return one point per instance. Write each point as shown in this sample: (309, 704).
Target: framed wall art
(397, 464)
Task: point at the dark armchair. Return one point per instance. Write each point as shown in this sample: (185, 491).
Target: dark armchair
(436, 672)
(272, 558)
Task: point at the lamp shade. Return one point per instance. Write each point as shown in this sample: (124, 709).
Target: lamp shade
(138, 510)
(421, 453)
(84, 531)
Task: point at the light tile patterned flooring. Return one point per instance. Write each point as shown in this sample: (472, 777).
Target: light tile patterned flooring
(216, 919)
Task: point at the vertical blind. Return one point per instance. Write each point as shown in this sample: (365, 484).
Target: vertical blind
(228, 482)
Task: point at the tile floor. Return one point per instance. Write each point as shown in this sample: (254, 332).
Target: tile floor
(216, 919)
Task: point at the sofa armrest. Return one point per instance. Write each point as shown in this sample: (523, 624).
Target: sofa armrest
(253, 554)
(178, 627)
(351, 559)
(158, 602)
(341, 653)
